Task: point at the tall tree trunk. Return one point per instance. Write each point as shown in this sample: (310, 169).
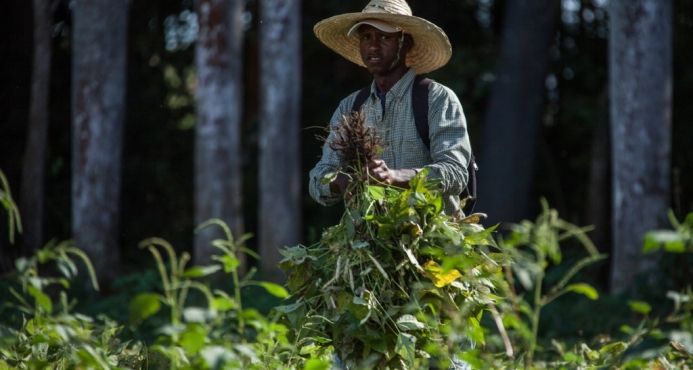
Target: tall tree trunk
(218, 173)
(515, 111)
(280, 59)
(640, 81)
(98, 109)
(33, 170)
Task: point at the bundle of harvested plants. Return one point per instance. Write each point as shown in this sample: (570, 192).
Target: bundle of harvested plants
(385, 287)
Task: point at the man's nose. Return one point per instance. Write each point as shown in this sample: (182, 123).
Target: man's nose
(375, 43)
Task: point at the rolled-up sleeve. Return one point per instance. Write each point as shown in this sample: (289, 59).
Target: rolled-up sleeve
(329, 161)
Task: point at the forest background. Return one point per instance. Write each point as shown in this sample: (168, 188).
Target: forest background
(533, 78)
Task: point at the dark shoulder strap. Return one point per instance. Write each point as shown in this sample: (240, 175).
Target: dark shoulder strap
(419, 102)
(361, 98)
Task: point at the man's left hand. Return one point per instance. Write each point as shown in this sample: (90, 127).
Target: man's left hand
(380, 174)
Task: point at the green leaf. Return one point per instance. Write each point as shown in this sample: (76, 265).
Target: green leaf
(290, 307)
(614, 349)
(229, 262)
(217, 356)
(377, 192)
(200, 271)
(640, 307)
(143, 306)
(198, 314)
(41, 299)
(193, 339)
(223, 303)
(406, 347)
(328, 178)
(409, 322)
(358, 244)
(671, 240)
(274, 289)
(584, 289)
(315, 364)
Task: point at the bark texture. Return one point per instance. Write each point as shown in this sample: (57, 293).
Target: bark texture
(34, 168)
(515, 111)
(640, 81)
(280, 60)
(218, 173)
(98, 109)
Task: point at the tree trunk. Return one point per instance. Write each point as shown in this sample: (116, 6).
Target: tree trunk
(280, 185)
(98, 109)
(515, 111)
(218, 173)
(33, 170)
(640, 78)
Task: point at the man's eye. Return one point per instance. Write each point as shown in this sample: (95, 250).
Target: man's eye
(384, 37)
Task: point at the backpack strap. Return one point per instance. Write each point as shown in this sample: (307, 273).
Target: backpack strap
(419, 102)
(361, 98)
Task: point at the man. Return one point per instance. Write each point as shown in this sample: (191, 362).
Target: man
(395, 46)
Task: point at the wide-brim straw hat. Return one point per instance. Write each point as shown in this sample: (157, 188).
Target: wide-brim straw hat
(431, 50)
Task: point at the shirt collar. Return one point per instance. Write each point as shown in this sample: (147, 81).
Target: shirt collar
(400, 87)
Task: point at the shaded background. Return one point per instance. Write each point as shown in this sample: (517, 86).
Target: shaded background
(570, 165)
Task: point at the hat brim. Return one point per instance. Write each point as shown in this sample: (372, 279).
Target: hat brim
(431, 50)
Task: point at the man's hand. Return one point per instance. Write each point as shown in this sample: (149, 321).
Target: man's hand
(340, 185)
(380, 174)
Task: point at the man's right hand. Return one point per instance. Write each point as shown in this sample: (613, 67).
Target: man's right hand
(341, 184)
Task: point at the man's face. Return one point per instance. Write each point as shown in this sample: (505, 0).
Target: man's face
(379, 49)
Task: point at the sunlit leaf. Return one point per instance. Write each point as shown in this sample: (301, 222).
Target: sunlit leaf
(406, 347)
(640, 307)
(193, 338)
(357, 244)
(316, 364)
(409, 322)
(198, 314)
(614, 349)
(377, 192)
(41, 299)
(274, 289)
(436, 274)
(229, 262)
(143, 306)
(217, 356)
(200, 271)
(671, 240)
(223, 304)
(584, 289)
(328, 178)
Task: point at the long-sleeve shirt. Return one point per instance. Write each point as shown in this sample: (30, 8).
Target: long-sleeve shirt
(449, 152)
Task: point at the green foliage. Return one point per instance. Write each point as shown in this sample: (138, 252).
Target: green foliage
(533, 246)
(678, 240)
(13, 218)
(653, 342)
(220, 334)
(394, 283)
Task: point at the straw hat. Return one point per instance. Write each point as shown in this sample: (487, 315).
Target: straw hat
(431, 50)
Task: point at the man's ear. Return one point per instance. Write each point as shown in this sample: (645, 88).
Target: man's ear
(408, 42)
